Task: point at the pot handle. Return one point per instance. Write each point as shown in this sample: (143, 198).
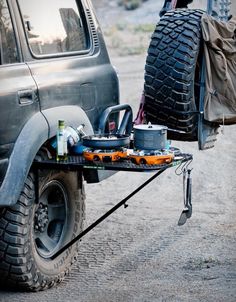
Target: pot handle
(127, 120)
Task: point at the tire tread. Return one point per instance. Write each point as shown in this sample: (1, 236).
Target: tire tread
(16, 267)
(170, 72)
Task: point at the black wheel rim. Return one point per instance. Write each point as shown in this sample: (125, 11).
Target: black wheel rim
(50, 219)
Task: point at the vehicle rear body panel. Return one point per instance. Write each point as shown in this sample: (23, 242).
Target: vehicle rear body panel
(40, 82)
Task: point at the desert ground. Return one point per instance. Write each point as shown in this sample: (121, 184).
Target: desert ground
(140, 253)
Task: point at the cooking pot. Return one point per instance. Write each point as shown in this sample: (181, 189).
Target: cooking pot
(150, 137)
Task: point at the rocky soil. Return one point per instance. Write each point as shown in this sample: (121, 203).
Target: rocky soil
(139, 253)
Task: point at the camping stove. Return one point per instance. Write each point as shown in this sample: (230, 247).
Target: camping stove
(101, 155)
(153, 157)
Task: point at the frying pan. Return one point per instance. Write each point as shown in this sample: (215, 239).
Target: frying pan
(106, 141)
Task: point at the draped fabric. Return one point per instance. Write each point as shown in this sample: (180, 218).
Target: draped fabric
(220, 56)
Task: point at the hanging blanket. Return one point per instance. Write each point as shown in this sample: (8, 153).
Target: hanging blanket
(220, 55)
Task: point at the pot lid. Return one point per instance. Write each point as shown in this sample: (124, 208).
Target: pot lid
(150, 126)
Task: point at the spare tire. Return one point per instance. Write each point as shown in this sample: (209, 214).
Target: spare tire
(172, 73)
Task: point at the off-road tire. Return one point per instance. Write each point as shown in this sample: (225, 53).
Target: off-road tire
(172, 73)
(24, 261)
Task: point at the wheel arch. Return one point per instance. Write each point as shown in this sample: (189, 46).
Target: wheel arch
(38, 129)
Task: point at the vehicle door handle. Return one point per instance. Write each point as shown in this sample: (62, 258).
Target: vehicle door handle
(26, 97)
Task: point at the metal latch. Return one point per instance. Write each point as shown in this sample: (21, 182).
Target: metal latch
(187, 211)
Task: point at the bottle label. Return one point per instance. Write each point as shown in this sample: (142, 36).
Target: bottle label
(60, 144)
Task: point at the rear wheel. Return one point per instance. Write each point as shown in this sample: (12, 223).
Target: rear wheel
(32, 231)
(172, 73)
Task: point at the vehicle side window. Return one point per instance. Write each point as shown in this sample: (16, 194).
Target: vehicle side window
(8, 49)
(55, 26)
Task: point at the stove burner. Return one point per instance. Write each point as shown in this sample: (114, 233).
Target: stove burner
(104, 155)
(149, 157)
(153, 157)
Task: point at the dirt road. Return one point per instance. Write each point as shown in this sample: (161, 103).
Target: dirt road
(139, 253)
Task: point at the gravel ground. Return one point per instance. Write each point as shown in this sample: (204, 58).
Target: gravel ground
(139, 253)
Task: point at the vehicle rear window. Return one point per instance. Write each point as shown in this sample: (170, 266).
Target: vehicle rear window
(8, 49)
(55, 26)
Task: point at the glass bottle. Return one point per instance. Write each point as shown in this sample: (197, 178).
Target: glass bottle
(61, 141)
